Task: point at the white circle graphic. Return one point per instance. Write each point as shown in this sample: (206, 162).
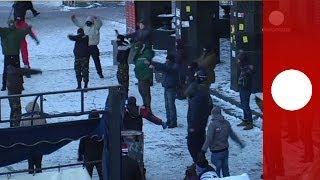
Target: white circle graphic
(291, 90)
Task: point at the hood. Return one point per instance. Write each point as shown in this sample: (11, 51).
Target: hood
(90, 19)
(29, 107)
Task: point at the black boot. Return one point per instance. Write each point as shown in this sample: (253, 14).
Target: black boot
(79, 85)
(3, 88)
(86, 85)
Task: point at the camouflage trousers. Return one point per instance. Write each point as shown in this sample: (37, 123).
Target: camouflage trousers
(15, 106)
(123, 76)
(81, 67)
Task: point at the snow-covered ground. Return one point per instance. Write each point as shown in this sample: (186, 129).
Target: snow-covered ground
(166, 155)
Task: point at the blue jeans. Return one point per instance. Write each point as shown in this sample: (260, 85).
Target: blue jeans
(169, 100)
(220, 160)
(245, 104)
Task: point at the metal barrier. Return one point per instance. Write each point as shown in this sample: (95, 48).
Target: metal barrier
(55, 115)
(112, 145)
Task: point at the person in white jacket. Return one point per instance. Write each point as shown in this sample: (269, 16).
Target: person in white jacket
(91, 28)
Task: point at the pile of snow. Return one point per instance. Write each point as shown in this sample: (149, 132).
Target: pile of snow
(78, 173)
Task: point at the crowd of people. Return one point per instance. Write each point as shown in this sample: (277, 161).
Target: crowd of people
(183, 79)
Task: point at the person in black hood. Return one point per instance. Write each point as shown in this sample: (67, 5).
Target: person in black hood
(133, 116)
(245, 89)
(82, 55)
(122, 58)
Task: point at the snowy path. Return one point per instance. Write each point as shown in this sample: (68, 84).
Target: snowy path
(166, 155)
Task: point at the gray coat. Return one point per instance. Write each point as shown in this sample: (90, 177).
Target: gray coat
(218, 133)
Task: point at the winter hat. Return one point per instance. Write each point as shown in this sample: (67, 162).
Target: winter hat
(120, 37)
(32, 107)
(170, 57)
(131, 100)
(80, 31)
(216, 111)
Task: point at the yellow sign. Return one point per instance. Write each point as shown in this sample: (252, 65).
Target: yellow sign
(245, 39)
(241, 27)
(188, 9)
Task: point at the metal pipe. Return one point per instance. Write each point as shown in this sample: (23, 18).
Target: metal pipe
(58, 92)
(65, 114)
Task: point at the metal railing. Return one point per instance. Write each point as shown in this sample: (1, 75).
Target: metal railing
(55, 115)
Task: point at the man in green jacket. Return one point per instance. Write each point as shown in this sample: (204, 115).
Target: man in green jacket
(11, 38)
(143, 73)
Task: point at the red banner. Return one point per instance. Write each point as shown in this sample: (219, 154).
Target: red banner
(291, 41)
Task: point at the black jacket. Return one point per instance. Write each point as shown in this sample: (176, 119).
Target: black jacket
(200, 105)
(123, 54)
(245, 78)
(81, 47)
(171, 73)
(91, 149)
(132, 119)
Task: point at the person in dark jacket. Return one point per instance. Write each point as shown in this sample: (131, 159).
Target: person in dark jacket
(122, 58)
(91, 150)
(15, 87)
(142, 35)
(21, 7)
(245, 89)
(181, 60)
(170, 82)
(199, 107)
(218, 133)
(11, 38)
(134, 114)
(82, 55)
(33, 111)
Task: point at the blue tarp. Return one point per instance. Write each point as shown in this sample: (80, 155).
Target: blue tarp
(18, 144)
